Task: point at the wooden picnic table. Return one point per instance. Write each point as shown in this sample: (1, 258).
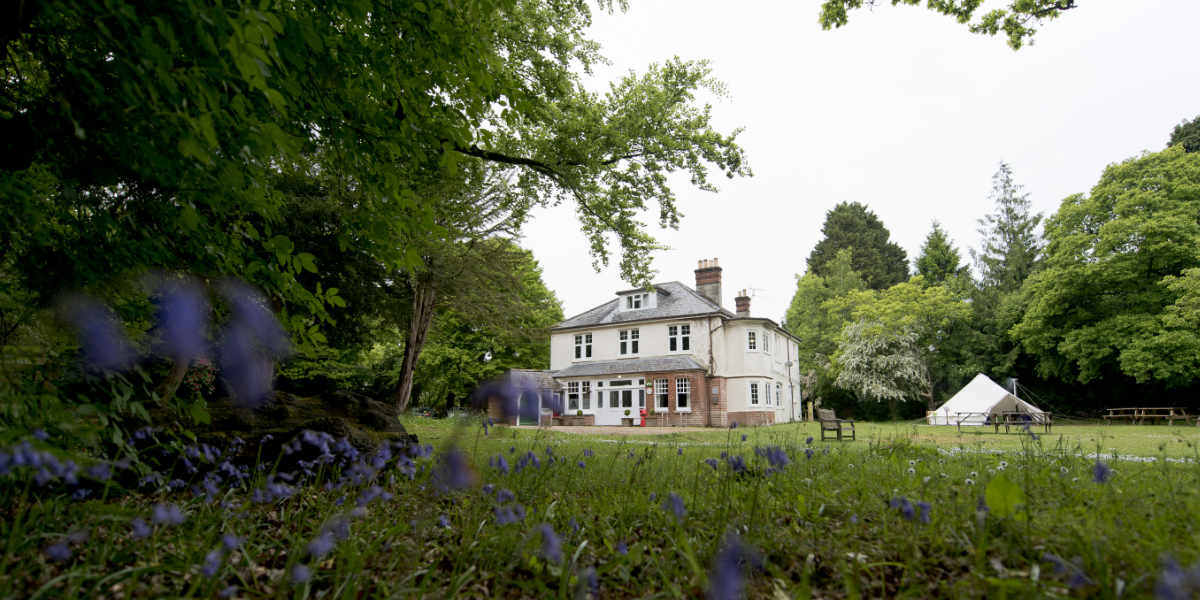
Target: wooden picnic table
(1006, 419)
(1139, 414)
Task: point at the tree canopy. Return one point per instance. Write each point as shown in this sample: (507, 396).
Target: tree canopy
(1187, 133)
(939, 259)
(849, 225)
(1011, 248)
(1118, 294)
(1019, 20)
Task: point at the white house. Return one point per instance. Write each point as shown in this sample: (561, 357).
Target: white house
(674, 351)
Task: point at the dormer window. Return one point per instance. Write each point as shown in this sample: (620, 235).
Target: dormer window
(636, 300)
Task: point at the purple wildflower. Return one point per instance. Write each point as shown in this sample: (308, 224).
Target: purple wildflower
(182, 320)
(737, 464)
(808, 453)
(904, 506)
(777, 457)
(712, 462)
(551, 544)
(140, 529)
(301, 574)
(727, 578)
(622, 549)
(573, 525)
(230, 541)
(679, 451)
(924, 508)
(588, 584)
(1076, 577)
(504, 496)
(212, 562)
(41, 434)
(250, 344)
(1175, 583)
(582, 464)
(733, 425)
(809, 440)
(229, 592)
(674, 505)
(653, 496)
(1101, 472)
(101, 339)
(499, 463)
(511, 513)
(321, 545)
(167, 514)
(588, 452)
(443, 522)
(58, 552)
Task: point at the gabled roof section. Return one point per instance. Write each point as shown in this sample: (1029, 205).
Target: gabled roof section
(674, 300)
(631, 366)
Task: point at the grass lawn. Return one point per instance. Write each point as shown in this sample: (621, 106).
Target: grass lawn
(540, 514)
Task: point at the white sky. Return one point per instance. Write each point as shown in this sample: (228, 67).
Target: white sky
(902, 110)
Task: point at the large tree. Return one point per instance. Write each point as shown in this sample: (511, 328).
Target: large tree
(1118, 295)
(159, 136)
(1019, 20)
(881, 364)
(939, 259)
(881, 262)
(1187, 134)
(1011, 247)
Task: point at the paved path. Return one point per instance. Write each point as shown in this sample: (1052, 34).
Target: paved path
(620, 430)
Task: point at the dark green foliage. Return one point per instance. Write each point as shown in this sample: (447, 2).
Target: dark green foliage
(1012, 247)
(939, 259)
(1118, 296)
(880, 262)
(1188, 134)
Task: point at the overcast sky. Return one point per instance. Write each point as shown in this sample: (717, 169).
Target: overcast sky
(902, 110)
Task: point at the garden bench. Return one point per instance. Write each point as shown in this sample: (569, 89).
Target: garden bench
(830, 422)
(1139, 415)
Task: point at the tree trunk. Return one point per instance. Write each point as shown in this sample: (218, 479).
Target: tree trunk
(414, 339)
(167, 389)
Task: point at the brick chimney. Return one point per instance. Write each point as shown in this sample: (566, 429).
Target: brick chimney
(742, 302)
(708, 280)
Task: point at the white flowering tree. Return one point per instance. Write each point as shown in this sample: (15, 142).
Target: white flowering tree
(881, 364)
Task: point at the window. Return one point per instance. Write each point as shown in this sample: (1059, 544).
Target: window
(629, 341)
(572, 395)
(637, 301)
(752, 340)
(583, 346)
(679, 338)
(754, 393)
(587, 395)
(683, 392)
(660, 393)
(766, 341)
(778, 394)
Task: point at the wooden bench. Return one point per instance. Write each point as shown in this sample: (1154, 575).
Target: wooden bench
(830, 422)
(1021, 419)
(1139, 414)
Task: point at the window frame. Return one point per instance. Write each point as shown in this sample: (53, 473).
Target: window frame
(751, 340)
(585, 396)
(683, 394)
(752, 394)
(662, 395)
(572, 396)
(629, 341)
(679, 338)
(583, 346)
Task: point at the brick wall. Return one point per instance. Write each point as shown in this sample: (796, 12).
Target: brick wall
(697, 401)
(753, 417)
(495, 411)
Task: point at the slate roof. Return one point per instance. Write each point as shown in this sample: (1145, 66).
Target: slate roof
(674, 299)
(630, 366)
(542, 378)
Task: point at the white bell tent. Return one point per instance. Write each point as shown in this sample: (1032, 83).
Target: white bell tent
(977, 401)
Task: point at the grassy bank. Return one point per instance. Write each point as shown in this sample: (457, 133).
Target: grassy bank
(564, 516)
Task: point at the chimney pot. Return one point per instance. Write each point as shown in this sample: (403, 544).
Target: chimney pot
(742, 303)
(708, 280)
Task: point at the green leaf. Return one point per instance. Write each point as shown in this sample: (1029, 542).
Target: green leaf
(1003, 497)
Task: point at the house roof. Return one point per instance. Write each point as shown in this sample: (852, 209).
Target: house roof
(631, 366)
(675, 300)
(541, 378)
